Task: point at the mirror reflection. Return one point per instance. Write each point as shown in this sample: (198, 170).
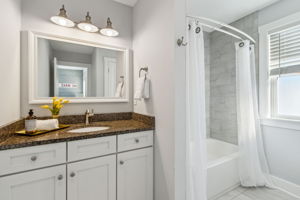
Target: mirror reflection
(74, 70)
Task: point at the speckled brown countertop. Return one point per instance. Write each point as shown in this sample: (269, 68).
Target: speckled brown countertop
(131, 124)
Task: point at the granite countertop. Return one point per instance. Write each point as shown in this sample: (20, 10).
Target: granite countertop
(116, 127)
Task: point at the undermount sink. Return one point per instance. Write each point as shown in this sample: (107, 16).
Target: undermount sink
(89, 129)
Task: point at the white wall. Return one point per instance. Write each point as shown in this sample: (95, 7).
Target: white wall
(10, 24)
(35, 17)
(278, 10)
(153, 46)
(283, 149)
(155, 33)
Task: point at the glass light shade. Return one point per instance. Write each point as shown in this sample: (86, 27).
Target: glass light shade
(88, 27)
(109, 32)
(62, 21)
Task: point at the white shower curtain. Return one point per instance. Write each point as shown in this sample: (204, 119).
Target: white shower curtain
(253, 168)
(196, 125)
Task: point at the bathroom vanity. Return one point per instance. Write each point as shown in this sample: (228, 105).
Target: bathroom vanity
(116, 163)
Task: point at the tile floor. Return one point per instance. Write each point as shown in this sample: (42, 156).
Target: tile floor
(256, 194)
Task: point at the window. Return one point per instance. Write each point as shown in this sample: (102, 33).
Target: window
(284, 70)
(280, 68)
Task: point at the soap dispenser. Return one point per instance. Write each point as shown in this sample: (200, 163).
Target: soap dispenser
(30, 122)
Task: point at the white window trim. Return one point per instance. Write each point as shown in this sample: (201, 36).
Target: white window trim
(265, 97)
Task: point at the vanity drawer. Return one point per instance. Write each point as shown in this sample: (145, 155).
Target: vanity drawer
(83, 149)
(135, 140)
(17, 160)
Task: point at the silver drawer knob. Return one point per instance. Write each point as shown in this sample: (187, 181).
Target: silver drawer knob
(137, 140)
(121, 162)
(33, 158)
(72, 174)
(60, 177)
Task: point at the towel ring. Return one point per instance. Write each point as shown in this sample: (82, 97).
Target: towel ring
(143, 69)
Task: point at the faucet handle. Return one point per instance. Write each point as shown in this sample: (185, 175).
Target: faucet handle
(87, 111)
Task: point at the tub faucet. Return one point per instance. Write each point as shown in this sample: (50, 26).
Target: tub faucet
(88, 114)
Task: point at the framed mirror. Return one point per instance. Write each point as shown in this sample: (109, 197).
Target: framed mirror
(77, 70)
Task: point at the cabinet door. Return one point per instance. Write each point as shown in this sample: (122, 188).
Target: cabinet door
(44, 184)
(135, 175)
(93, 179)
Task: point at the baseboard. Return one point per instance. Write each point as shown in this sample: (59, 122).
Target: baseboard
(288, 187)
(224, 192)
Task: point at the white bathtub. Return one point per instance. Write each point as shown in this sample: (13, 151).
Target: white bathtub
(222, 171)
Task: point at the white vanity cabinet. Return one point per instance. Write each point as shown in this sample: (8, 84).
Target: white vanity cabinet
(92, 179)
(43, 184)
(135, 175)
(105, 168)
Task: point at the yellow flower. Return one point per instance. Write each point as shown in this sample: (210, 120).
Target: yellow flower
(45, 107)
(54, 98)
(66, 101)
(61, 100)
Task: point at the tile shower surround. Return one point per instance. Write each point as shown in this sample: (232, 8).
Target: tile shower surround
(222, 84)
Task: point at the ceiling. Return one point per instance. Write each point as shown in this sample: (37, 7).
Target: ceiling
(127, 2)
(226, 11)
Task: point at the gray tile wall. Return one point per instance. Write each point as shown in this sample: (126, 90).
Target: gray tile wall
(207, 80)
(222, 86)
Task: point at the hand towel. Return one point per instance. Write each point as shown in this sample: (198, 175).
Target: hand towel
(139, 91)
(46, 125)
(146, 93)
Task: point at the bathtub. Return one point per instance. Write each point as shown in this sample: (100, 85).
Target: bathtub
(222, 170)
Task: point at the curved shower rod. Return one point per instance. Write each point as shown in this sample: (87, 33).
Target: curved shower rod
(225, 25)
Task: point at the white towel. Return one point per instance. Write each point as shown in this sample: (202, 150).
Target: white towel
(140, 85)
(142, 88)
(48, 124)
(146, 93)
(119, 90)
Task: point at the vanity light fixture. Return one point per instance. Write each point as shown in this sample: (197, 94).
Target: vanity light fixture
(109, 30)
(62, 19)
(87, 25)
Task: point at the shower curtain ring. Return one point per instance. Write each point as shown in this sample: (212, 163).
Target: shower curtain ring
(180, 42)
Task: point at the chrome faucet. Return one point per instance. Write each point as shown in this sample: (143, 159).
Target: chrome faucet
(88, 114)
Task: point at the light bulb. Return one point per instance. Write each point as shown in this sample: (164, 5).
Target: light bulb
(109, 32)
(87, 27)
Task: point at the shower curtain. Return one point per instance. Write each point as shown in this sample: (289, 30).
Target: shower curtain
(196, 120)
(253, 168)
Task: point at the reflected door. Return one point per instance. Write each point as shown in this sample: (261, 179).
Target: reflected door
(71, 81)
(110, 70)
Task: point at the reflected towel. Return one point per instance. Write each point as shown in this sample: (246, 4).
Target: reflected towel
(119, 90)
(48, 124)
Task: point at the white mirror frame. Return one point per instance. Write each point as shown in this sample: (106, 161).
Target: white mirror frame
(32, 70)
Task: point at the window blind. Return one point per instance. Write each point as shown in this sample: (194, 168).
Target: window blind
(285, 51)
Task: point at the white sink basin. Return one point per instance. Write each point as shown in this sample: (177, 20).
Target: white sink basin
(89, 129)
